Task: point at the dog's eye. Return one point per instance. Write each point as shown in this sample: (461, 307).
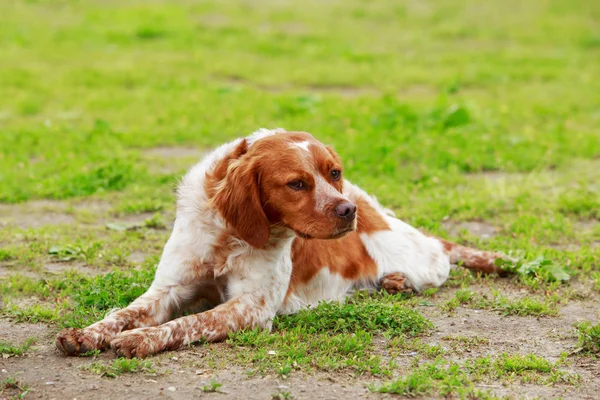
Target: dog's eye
(336, 174)
(297, 185)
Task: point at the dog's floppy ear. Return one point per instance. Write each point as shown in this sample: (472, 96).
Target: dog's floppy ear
(238, 201)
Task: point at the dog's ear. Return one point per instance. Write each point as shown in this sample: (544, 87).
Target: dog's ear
(238, 201)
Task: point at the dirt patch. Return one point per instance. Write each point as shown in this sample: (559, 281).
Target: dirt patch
(171, 160)
(38, 213)
(546, 337)
(34, 214)
(181, 374)
(413, 91)
(17, 334)
(6, 270)
(80, 267)
(480, 229)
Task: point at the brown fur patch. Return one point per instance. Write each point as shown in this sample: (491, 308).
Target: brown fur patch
(395, 283)
(369, 219)
(346, 256)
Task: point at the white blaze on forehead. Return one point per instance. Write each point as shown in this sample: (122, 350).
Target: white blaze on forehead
(301, 145)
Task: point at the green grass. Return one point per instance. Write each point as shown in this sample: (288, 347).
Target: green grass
(331, 337)
(451, 379)
(527, 306)
(120, 366)
(212, 387)
(588, 337)
(484, 112)
(12, 350)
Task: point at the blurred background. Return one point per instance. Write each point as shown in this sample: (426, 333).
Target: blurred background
(419, 97)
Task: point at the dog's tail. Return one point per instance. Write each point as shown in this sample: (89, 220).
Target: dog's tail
(473, 259)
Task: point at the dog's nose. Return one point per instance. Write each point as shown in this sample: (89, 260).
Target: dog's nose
(346, 210)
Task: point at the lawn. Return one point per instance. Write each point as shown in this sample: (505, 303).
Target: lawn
(474, 121)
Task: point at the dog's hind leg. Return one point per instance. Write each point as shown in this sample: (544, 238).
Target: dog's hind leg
(474, 259)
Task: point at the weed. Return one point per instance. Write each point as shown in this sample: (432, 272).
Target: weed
(540, 268)
(212, 387)
(282, 395)
(155, 222)
(120, 366)
(88, 253)
(11, 350)
(12, 386)
(588, 337)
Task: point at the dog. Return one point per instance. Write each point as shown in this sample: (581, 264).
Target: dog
(268, 225)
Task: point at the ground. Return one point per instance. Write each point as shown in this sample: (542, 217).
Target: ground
(478, 122)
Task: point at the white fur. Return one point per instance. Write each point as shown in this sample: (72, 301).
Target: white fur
(301, 145)
(325, 286)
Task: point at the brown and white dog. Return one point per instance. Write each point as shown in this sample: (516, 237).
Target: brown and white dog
(268, 225)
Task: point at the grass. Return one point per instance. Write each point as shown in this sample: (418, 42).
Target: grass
(11, 386)
(486, 113)
(212, 387)
(451, 379)
(120, 366)
(588, 337)
(527, 306)
(12, 350)
(330, 337)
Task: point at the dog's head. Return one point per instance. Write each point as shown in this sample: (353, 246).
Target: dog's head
(286, 179)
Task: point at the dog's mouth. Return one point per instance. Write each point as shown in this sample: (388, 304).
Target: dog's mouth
(337, 235)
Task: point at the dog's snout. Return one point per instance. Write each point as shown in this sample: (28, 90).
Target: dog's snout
(346, 210)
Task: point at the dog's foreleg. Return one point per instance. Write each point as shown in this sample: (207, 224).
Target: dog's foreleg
(175, 284)
(256, 287)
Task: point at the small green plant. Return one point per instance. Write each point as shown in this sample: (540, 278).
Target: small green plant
(155, 222)
(11, 350)
(212, 387)
(540, 268)
(120, 366)
(282, 395)
(588, 336)
(358, 313)
(88, 253)
(439, 377)
(32, 314)
(13, 387)
(6, 255)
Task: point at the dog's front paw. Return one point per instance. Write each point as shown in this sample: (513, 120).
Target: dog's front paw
(138, 343)
(74, 341)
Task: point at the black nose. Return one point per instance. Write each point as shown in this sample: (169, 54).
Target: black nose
(346, 210)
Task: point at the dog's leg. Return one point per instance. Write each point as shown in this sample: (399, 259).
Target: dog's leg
(176, 283)
(213, 325)
(256, 286)
(474, 259)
